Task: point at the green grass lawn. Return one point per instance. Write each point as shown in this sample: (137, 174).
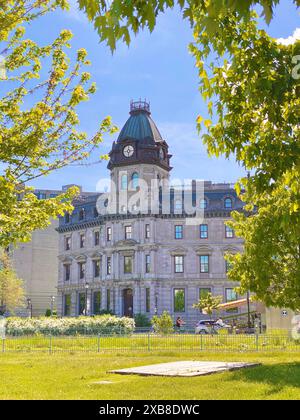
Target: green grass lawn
(75, 376)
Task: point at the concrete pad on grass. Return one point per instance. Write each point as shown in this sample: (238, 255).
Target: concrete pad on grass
(184, 368)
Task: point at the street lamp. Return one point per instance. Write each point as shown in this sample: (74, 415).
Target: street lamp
(29, 306)
(52, 304)
(156, 303)
(86, 298)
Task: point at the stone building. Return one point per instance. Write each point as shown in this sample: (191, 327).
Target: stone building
(119, 253)
(36, 263)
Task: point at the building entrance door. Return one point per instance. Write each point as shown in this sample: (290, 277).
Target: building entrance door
(128, 302)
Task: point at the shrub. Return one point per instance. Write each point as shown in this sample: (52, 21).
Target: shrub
(104, 324)
(141, 320)
(48, 313)
(163, 324)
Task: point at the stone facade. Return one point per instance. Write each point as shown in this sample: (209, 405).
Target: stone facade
(36, 263)
(131, 261)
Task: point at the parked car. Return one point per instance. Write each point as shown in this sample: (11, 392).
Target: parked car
(210, 326)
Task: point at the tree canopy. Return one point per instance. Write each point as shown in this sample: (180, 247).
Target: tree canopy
(11, 287)
(38, 119)
(117, 19)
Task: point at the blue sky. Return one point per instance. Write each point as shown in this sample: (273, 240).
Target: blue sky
(158, 67)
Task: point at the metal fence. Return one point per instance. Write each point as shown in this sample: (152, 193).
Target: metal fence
(150, 342)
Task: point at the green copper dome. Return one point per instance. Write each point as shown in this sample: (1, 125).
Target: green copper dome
(140, 125)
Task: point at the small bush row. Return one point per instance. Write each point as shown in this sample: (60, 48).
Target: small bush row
(104, 324)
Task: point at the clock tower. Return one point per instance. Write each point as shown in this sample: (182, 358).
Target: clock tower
(138, 157)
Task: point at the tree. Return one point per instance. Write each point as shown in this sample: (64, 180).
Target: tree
(209, 303)
(38, 119)
(254, 97)
(115, 20)
(11, 287)
(163, 324)
(251, 85)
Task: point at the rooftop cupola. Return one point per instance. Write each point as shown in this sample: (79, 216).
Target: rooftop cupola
(139, 140)
(140, 125)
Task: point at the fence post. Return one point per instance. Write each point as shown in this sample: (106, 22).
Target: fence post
(148, 340)
(3, 345)
(201, 342)
(50, 344)
(257, 338)
(98, 344)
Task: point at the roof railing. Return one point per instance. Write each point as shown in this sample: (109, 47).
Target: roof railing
(139, 106)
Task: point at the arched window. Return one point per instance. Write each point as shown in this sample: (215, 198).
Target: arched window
(135, 180)
(228, 203)
(203, 204)
(124, 182)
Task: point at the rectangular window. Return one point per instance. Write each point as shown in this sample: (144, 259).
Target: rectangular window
(203, 292)
(128, 232)
(178, 263)
(108, 234)
(203, 231)
(67, 270)
(96, 238)
(82, 240)
(148, 299)
(147, 231)
(127, 265)
(179, 300)
(108, 265)
(96, 303)
(178, 232)
(227, 266)
(108, 299)
(204, 263)
(67, 243)
(148, 263)
(81, 267)
(229, 233)
(81, 303)
(230, 296)
(96, 264)
(67, 305)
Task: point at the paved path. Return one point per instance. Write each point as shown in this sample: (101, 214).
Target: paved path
(184, 368)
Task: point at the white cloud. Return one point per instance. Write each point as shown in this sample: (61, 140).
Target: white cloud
(75, 13)
(291, 39)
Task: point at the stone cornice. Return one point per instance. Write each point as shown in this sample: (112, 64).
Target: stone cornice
(216, 213)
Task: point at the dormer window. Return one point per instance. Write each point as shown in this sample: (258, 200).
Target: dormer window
(81, 214)
(203, 204)
(228, 203)
(178, 205)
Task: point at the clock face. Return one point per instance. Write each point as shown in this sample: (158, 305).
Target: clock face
(161, 154)
(128, 151)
